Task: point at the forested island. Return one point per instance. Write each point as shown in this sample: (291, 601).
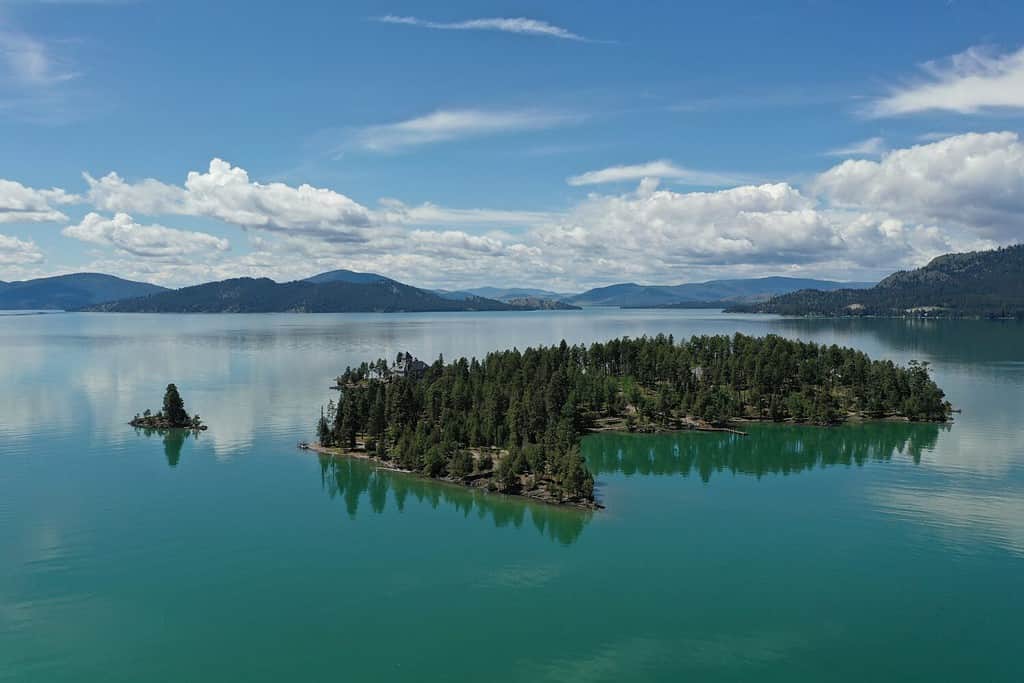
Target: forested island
(978, 284)
(173, 415)
(512, 421)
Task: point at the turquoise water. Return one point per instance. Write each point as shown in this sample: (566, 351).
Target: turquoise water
(870, 552)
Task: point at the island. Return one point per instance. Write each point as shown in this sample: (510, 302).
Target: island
(512, 421)
(173, 415)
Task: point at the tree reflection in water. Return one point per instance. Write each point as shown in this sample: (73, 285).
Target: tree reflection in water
(174, 440)
(351, 480)
(768, 449)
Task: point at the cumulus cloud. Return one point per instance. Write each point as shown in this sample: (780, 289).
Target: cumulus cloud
(520, 25)
(871, 147)
(226, 192)
(661, 168)
(859, 219)
(974, 80)
(21, 204)
(765, 224)
(17, 252)
(453, 124)
(144, 241)
(972, 182)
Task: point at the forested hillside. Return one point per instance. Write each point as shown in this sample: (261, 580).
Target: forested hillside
(631, 295)
(248, 295)
(68, 292)
(987, 284)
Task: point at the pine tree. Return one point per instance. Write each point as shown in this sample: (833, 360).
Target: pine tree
(174, 408)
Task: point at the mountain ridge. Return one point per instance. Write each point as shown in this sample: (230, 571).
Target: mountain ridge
(70, 292)
(263, 295)
(633, 295)
(986, 284)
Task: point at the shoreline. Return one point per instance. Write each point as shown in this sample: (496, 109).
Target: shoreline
(481, 481)
(684, 424)
(484, 481)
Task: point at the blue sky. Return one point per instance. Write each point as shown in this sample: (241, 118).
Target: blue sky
(462, 144)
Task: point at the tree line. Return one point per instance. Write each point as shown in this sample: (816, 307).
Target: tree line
(533, 405)
(980, 284)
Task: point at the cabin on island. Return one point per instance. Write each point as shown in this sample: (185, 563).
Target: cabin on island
(407, 366)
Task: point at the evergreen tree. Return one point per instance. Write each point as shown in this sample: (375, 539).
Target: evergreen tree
(535, 404)
(174, 408)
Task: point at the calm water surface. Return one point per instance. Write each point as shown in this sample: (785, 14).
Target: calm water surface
(870, 552)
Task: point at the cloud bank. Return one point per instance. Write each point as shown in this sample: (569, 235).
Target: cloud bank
(859, 218)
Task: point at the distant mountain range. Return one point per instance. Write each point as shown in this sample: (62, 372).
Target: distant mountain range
(631, 295)
(506, 293)
(974, 284)
(987, 283)
(350, 291)
(69, 292)
(334, 294)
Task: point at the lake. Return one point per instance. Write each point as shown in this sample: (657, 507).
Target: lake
(885, 551)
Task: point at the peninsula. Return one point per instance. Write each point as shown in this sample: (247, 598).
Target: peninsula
(173, 415)
(977, 284)
(512, 421)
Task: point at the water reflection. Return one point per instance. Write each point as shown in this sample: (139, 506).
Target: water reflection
(174, 440)
(769, 449)
(966, 343)
(353, 480)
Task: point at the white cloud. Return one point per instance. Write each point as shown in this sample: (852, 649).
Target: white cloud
(965, 83)
(17, 252)
(872, 147)
(21, 204)
(454, 124)
(973, 183)
(763, 224)
(860, 219)
(454, 243)
(661, 168)
(225, 192)
(149, 196)
(520, 25)
(395, 211)
(28, 61)
(144, 241)
(934, 136)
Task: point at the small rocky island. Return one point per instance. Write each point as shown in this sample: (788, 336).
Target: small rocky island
(173, 415)
(512, 421)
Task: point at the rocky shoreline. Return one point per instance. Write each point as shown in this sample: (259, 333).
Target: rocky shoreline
(483, 480)
(486, 480)
(160, 423)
